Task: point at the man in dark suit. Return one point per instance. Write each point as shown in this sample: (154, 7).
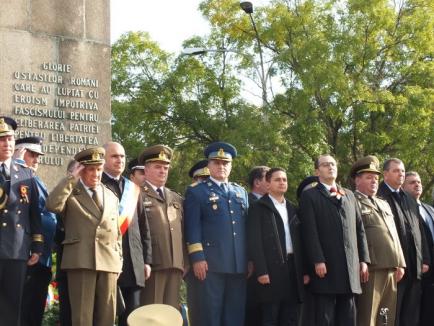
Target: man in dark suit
(258, 188)
(413, 186)
(387, 260)
(136, 239)
(335, 244)
(257, 182)
(21, 239)
(276, 253)
(412, 239)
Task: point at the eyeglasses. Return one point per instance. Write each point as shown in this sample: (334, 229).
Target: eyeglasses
(327, 164)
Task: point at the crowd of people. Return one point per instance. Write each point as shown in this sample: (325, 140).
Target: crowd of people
(124, 240)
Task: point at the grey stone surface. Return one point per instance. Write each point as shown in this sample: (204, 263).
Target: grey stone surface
(96, 28)
(14, 13)
(55, 75)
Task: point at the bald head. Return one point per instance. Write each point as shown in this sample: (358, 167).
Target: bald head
(114, 159)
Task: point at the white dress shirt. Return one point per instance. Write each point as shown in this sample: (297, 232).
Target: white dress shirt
(283, 212)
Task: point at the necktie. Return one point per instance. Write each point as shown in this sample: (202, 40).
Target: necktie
(160, 192)
(333, 190)
(96, 199)
(372, 201)
(224, 187)
(397, 196)
(4, 172)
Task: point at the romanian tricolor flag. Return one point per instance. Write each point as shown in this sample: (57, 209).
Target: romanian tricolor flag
(128, 204)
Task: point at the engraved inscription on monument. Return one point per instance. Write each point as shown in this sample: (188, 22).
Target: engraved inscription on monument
(55, 76)
(59, 106)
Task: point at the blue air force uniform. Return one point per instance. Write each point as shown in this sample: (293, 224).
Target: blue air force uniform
(20, 228)
(215, 232)
(39, 275)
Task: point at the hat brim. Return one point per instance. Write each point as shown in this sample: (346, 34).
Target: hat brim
(368, 170)
(92, 162)
(7, 133)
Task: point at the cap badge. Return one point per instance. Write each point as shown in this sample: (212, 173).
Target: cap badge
(95, 156)
(372, 166)
(162, 156)
(3, 125)
(221, 153)
(205, 170)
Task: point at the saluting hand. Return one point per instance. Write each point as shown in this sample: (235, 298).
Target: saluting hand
(200, 268)
(76, 170)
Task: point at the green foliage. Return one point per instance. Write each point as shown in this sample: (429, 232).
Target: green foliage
(353, 78)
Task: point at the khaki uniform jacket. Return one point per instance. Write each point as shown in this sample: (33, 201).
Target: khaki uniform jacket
(92, 239)
(383, 240)
(165, 217)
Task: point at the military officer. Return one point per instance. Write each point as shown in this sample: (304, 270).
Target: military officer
(27, 152)
(20, 225)
(92, 250)
(165, 215)
(199, 171)
(136, 172)
(387, 259)
(215, 232)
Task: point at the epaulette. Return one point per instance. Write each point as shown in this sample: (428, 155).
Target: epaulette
(236, 184)
(194, 184)
(20, 162)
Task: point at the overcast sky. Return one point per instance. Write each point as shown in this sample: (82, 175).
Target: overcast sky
(169, 22)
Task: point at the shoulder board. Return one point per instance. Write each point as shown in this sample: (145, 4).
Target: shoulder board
(194, 184)
(21, 163)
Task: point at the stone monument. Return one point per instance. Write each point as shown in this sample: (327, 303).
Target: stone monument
(55, 75)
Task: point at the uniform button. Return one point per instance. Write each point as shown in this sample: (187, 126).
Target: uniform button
(235, 233)
(18, 212)
(4, 224)
(233, 222)
(98, 227)
(97, 239)
(171, 229)
(229, 201)
(5, 211)
(18, 225)
(232, 212)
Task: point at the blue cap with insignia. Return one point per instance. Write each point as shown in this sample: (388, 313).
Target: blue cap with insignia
(33, 144)
(7, 126)
(220, 151)
(200, 169)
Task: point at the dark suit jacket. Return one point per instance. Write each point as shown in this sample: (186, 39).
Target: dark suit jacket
(136, 242)
(410, 230)
(333, 233)
(267, 238)
(20, 227)
(252, 198)
(428, 277)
